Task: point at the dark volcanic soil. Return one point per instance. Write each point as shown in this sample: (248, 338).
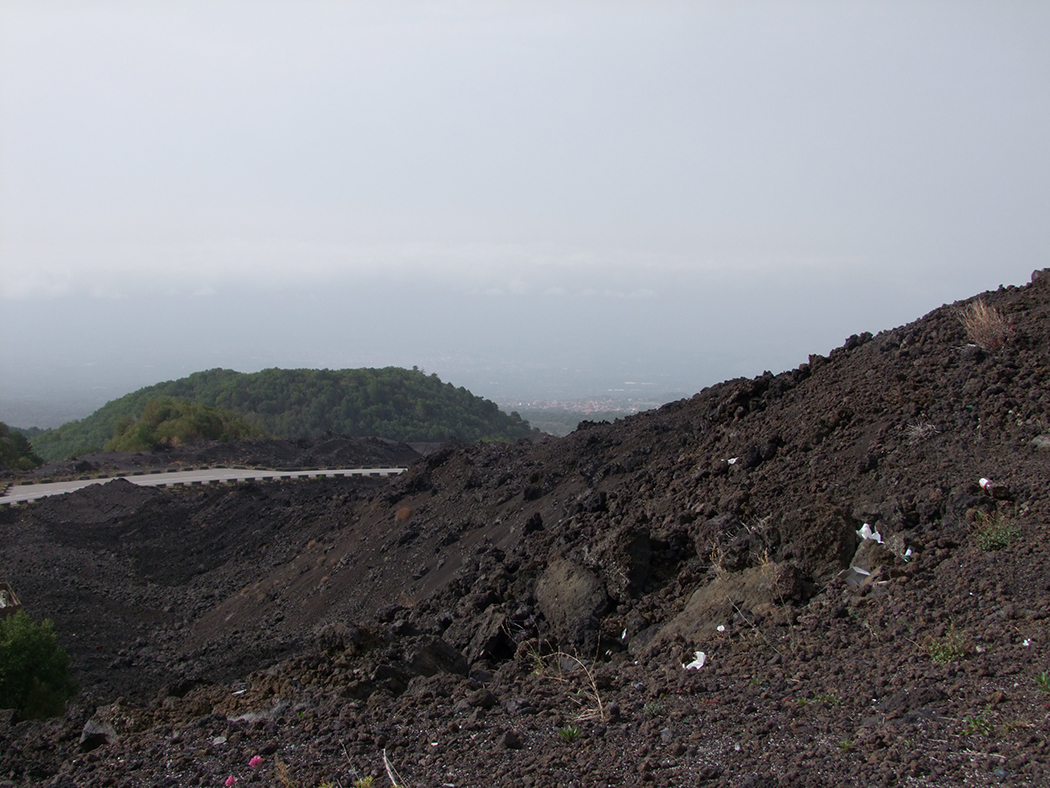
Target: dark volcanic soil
(506, 615)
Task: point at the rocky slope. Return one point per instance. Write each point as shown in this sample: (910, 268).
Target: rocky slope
(522, 614)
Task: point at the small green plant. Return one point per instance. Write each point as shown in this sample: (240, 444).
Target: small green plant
(652, 708)
(994, 532)
(1042, 681)
(847, 745)
(34, 669)
(569, 733)
(951, 647)
(985, 325)
(978, 725)
(363, 782)
(830, 698)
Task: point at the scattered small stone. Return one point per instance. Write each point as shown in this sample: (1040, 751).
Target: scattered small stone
(512, 740)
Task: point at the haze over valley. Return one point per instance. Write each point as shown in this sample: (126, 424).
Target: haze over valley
(540, 203)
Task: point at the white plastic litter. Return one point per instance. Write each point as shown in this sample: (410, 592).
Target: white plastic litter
(854, 576)
(721, 627)
(985, 483)
(732, 460)
(865, 532)
(697, 663)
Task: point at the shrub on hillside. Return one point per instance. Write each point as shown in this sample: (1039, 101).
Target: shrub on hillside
(34, 669)
(175, 422)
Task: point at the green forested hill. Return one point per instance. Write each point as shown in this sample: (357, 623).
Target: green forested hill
(394, 403)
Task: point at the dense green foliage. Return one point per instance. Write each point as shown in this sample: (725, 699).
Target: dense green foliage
(16, 453)
(175, 422)
(34, 669)
(394, 403)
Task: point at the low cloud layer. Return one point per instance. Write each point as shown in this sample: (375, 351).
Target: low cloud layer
(528, 200)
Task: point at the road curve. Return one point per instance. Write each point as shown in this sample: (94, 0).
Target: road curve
(21, 493)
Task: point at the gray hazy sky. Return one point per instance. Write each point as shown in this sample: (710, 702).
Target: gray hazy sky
(531, 199)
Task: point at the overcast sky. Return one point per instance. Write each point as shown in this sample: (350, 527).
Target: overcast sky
(533, 200)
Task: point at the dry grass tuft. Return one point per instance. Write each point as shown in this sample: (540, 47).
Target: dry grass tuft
(919, 431)
(986, 326)
(717, 557)
(284, 775)
(391, 772)
(580, 678)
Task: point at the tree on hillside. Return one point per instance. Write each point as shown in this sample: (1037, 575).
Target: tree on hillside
(34, 669)
(16, 452)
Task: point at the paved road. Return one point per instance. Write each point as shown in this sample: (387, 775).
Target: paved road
(19, 493)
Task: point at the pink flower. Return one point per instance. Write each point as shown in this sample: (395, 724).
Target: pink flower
(231, 780)
(255, 761)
